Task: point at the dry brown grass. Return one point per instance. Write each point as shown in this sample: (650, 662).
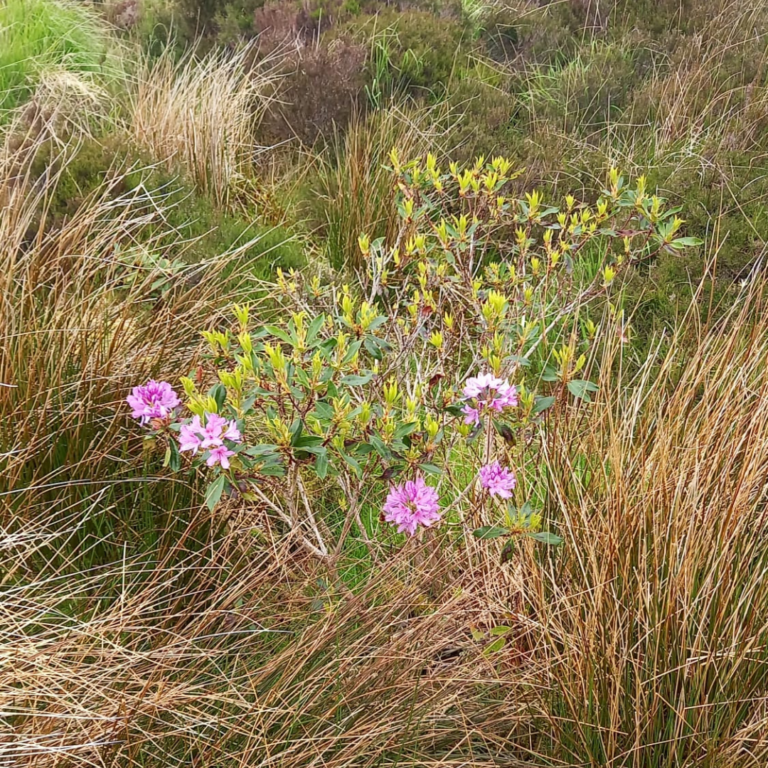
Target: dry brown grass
(80, 323)
(654, 625)
(710, 91)
(199, 116)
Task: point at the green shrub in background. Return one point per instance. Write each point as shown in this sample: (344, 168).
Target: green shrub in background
(42, 36)
(586, 93)
(412, 52)
(322, 90)
(483, 119)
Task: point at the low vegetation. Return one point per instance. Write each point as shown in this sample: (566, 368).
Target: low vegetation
(383, 385)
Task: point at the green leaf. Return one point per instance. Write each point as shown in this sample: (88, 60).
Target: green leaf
(404, 429)
(323, 410)
(380, 447)
(315, 450)
(321, 464)
(490, 532)
(374, 350)
(356, 468)
(247, 404)
(581, 389)
(376, 347)
(261, 450)
(301, 376)
(431, 469)
(213, 492)
(314, 328)
(500, 630)
(174, 460)
(541, 404)
(296, 430)
(354, 348)
(280, 334)
(525, 511)
(545, 537)
(686, 242)
(219, 394)
(356, 381)
(306, 441)
(549, 374)
(273, 470)
(497, 645)
(376, 322)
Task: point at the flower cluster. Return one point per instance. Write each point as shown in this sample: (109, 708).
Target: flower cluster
(157, 400)
(487, 391)
(408, 505)
(210, 436)
(497, 480)
(412, 504)
(153, 400)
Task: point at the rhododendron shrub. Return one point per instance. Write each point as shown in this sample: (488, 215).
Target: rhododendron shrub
(424, 386)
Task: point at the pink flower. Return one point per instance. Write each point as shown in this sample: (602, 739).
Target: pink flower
(497, 480)
(194, 437)
(474, 386)
(489, 392)
(153, 400)
(507, 398)
(189, 435)
(211, 436)
(219, 455)
(412, 504)
(471, 415)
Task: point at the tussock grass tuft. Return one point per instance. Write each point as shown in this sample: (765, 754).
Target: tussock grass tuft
(87, 312)
(199, 116)
(653, 626)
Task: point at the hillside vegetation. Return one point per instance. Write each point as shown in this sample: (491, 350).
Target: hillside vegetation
(455, 442)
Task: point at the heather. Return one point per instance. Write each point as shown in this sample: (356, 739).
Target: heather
(383, 384)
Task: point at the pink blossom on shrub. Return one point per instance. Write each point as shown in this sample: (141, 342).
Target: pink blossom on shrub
(497, 480)
(189, 435)
(216, 429)
(153, 400)
(412, 504)
(471, 415)
(489, 392)
(507, 398)
(477, 384)
(195, 436)
(219, 455)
